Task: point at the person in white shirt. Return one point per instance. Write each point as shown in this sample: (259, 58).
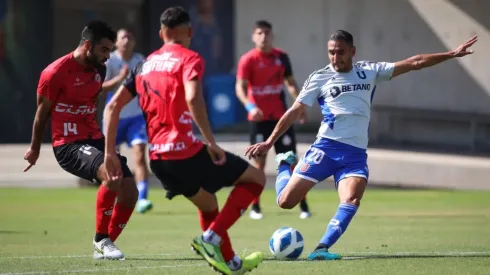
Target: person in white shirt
(344, 90)
(132, 126)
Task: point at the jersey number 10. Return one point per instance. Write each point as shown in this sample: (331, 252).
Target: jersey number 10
(69, 127)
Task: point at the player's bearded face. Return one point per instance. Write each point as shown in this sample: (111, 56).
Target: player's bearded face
(340, 55)
(95, 60)
(98, 54)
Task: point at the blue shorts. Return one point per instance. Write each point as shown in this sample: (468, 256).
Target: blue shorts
(132, 131)
(327, 157)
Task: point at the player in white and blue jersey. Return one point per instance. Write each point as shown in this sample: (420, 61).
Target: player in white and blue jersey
(132, 126)
(344, 90)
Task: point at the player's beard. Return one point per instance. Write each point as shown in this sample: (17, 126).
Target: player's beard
(94, 61)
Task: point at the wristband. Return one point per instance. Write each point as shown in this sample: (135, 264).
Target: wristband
(250, 106)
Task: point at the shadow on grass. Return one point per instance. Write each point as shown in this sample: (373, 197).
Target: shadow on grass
(12, 232)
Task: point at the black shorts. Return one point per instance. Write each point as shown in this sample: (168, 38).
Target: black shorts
(84, 157)
(261, 131)
(187, 176)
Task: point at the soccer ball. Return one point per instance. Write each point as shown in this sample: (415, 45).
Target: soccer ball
(286, 243)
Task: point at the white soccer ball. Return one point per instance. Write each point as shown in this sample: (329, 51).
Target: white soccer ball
(286, 243)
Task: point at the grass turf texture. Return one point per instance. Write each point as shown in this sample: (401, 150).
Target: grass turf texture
(49, 231)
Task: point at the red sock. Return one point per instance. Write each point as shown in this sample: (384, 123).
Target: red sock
(120, 218)
(205, 219)
(256, 200)
(238, 201)
(103, 209)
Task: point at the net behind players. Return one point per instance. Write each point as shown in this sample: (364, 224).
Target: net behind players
(168, 87)
(344, 90)
(68, 90)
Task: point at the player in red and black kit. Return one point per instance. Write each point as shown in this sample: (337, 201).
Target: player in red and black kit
(261, 75)
(67, 91)
(168, 87)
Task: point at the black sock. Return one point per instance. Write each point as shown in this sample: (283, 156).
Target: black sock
(304, 206)
(256, 208)
(99, 237)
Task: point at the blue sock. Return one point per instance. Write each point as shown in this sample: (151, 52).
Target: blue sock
(142, 189)
(338, 224)
(282, 179)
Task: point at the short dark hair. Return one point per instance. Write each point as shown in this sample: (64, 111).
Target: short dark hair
(97, 30)
(342, 35)
(262, 24)
(173, 17)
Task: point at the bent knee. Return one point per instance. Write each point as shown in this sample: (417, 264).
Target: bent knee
(354, 200)
(286, 202)
(113, 185)
(253, 175)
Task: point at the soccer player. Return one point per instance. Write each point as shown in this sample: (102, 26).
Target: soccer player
(261, 75)
(132, 126)
(344, 91)
(67, 91)
(168, 87)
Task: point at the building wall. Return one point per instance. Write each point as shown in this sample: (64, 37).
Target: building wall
(451, 94)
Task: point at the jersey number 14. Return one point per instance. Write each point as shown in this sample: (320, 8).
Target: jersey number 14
(69, 128)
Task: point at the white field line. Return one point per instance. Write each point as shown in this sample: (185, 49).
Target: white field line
(348, 256)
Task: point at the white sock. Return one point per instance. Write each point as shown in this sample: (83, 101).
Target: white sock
(210, 237)
(235, 263)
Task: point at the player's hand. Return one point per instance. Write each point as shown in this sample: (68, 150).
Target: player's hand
(256, 114)
(112, 166)
(124, 71)
(462, 50)
(31, 156)
(303, 118)
(258, 150)
(217, 154)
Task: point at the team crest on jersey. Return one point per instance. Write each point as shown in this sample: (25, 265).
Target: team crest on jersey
(97, 77)
(278, 62)
(304, 167)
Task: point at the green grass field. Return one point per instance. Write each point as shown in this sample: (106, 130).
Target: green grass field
(49, 231)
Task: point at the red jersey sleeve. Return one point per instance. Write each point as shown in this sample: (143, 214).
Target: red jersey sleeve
(49, 85)
(193, 67)
(244, 70)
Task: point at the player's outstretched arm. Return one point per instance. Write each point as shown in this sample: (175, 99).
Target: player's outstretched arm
(111, 113)
(111, 160)
(44, 107)
(422, 61)
(291, 116)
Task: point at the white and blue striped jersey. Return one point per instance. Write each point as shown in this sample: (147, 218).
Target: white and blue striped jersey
(114, 65)
(345, 99)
